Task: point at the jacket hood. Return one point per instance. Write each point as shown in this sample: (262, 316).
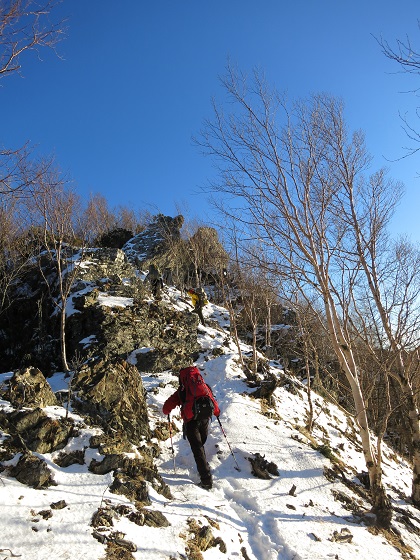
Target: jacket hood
(185, 372)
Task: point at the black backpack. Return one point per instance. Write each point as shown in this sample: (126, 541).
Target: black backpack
(203, 407)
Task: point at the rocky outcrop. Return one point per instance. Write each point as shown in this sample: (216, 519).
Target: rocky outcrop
(109, 309)
(36, 430)
(133, 324)
(131, 475)
(28, 387)
(115, 330)
(118, 547)
(32, 471)
(112, 394)
(115, 238)
(105, 265)
(155, 242)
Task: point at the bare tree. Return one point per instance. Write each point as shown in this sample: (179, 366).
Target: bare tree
(13, 251)
(130, 219)
(289, 183)
(255, 299)
(392, 271)
(55, 208)
(249, 286)
(408, 59)
(306, 334)
(19, 172)
(18, 176)
(97, 217)
(227, 289)
(26, 25)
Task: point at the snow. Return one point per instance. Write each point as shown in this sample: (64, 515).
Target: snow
(256, 519)
(132, 358)
(70, 309)
(87, 341)
(114, 301)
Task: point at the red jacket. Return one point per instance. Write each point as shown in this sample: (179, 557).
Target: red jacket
(186, 407)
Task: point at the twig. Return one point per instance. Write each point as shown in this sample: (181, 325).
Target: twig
(12, 555)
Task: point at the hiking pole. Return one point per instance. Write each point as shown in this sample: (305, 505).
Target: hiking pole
(172, 444)
(227, 441)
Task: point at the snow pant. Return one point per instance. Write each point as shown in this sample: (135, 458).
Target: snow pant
(196, 432)
(156, 287)
(199, 311)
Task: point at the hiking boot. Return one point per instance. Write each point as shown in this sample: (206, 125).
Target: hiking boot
(206, 483)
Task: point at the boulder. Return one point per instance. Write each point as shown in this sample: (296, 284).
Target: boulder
(261, 468)
(131, 475)
(76, 457)
(135, 489)
(151, 518)
(28, 387)
(112, 393)
(37, 430)
(32, 471)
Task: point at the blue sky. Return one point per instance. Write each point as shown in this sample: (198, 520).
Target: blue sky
(135, 79)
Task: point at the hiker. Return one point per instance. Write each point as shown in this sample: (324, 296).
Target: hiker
(191, 392)
(198, 300)
(155, 279)
(167, 276)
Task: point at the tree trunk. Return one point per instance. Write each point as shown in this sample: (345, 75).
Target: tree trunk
(380, 500)
(268, 326)
(235, 335)
(309, 393)
(318, 386)
(381, 503)
(63, 336)
(232, 319)
(413, 417)
(197, 276)
(254, 349)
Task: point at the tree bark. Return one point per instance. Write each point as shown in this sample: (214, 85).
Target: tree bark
(63, 337)
(381, 502)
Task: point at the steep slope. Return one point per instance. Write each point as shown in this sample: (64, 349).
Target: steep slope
(314, 508)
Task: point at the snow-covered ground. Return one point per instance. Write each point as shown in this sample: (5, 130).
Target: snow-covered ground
(254, 519)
